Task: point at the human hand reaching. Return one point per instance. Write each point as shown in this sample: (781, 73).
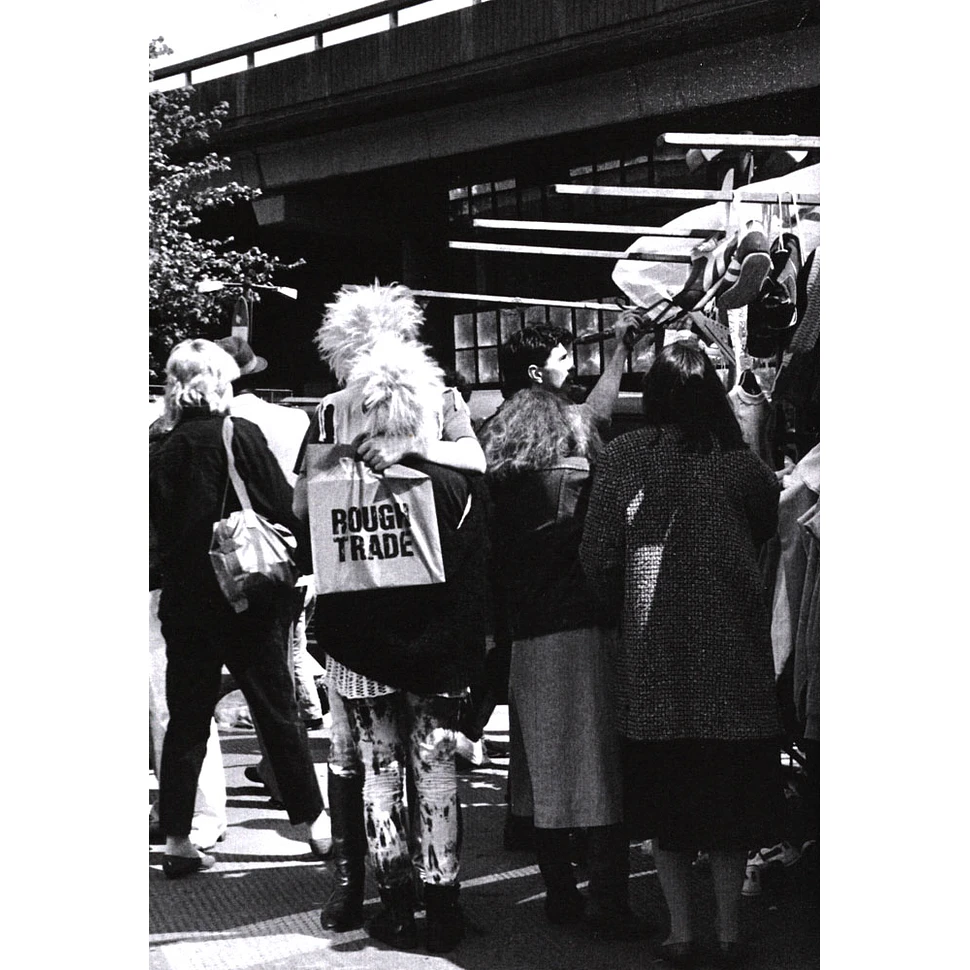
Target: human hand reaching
(629, 328)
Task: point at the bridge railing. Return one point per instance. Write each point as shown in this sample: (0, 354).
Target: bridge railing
(317, 31)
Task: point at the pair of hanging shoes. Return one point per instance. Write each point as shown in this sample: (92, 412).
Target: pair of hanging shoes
(772, 316)
(747, 270)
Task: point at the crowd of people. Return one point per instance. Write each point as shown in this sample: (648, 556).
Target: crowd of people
(618, 584)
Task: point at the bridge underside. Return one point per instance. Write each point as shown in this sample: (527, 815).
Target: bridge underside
(374, 181)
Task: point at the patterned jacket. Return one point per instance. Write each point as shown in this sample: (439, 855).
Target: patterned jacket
(670, 543)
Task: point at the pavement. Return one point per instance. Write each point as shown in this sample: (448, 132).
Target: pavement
(259, 907)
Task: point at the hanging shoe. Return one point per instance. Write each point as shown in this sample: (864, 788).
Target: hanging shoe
(445, 922)
(709, 263)
(772, 317)
(747, 270)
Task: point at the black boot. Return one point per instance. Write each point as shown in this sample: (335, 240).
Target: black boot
(445, 921)
(564, 902)
(395, 925)
(608, 912)
(518, 833)
(344, 909)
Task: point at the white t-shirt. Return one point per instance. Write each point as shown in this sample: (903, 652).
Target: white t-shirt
(283, 427)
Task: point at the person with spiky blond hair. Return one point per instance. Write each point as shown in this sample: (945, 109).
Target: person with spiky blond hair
(360, 315)
(398, 661)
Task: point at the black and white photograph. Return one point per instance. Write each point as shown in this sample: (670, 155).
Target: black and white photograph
(483, 485)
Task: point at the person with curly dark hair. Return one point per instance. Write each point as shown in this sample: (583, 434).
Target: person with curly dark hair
(566, 776)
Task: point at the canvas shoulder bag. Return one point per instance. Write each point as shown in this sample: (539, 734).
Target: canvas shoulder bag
(248, 552)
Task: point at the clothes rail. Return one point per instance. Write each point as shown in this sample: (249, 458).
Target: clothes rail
(561, 251)
(516, 300)
(714, 140)
(541, 226)
(685, 195)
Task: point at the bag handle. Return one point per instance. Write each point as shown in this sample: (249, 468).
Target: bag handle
(237, 483)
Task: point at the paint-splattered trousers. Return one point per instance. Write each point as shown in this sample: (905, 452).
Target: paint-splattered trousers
(418, 731)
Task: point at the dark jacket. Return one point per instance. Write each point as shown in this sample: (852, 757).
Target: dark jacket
(188, 477)
(538, 582)
(422, 639)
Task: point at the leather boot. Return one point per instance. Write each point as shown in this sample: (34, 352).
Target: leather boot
(608, 912)
(564, 902)
(344, 909)
(445, 923)
(395, 925)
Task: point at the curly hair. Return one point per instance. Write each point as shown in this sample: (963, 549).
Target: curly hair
(357, 316)
(535, 428)
(199, 374)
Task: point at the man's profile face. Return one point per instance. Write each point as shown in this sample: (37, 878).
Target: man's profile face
(557, 367)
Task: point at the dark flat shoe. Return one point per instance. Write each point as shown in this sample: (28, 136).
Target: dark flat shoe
(678, 954)
(176, 866)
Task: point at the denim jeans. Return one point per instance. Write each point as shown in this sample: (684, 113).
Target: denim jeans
(418, 732)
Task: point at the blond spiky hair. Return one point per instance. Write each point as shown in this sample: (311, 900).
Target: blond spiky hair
(399, 387)
(357, 316)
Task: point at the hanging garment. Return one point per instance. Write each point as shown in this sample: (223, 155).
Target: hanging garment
(806, 649)
(800, 493)
(755, 415)
(807, 333)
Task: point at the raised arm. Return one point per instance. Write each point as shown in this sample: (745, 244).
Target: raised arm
(602, 397)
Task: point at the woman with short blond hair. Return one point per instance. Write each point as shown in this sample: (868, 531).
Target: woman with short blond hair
(189, 490)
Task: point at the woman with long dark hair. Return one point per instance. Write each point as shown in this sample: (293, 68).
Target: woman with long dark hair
(676, 513)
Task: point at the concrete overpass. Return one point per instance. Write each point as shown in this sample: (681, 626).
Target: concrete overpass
(363, 150)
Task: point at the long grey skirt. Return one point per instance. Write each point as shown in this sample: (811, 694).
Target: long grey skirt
(565, 756)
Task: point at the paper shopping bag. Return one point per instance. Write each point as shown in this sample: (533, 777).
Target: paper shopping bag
(370, 530)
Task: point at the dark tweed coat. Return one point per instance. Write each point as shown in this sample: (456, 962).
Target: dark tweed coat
(670, 542)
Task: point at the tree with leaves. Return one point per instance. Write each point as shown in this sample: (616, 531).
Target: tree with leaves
(185, 181)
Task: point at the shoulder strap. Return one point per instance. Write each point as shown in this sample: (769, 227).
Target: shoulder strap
(237, 483)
